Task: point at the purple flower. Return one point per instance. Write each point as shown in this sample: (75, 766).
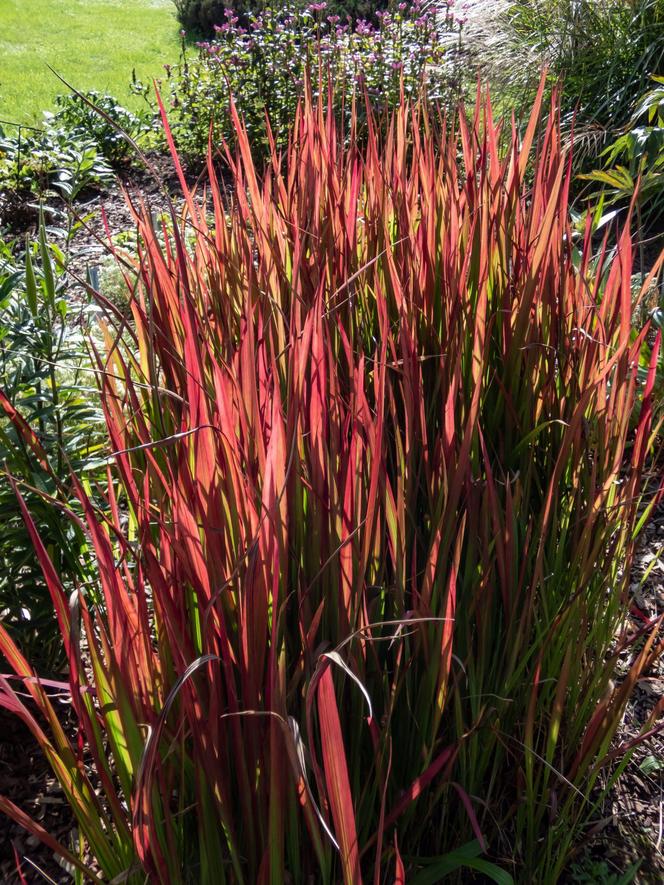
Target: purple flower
(317, 7)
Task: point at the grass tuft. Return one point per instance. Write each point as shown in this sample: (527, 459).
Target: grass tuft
(380, 453)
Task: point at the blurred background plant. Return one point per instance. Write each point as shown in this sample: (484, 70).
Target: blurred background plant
(45, 377)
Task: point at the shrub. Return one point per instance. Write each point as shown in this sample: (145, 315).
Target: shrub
(200, 16)
(42, 353)
(74, 151)
(372, 507)
(634, 163)
(103, 123)
(52, 160)
(263, 67)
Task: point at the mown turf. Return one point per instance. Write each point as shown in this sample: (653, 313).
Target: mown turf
(93, 44)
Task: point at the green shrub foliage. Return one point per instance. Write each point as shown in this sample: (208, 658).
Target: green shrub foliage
(100, 118)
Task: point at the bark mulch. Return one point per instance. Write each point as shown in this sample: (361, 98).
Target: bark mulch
(27, 780)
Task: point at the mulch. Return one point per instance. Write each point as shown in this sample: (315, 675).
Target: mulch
(27, 780)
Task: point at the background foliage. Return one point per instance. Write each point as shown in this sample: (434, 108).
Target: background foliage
(201, 16)
(605, 52)
(263, 67)
(43, 378)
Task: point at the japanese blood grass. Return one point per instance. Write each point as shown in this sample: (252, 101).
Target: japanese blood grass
(373, 505)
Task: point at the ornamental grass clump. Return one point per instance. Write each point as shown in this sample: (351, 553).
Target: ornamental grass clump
(379, 463)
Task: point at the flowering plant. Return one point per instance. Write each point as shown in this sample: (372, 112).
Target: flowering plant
(261, 62)
(200, 16)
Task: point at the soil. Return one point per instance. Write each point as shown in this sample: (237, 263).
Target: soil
(27, 780)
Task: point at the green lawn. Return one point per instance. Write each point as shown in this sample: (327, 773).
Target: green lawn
(94, 44)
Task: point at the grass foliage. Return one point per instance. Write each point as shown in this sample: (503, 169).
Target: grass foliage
(93, 44)
(603, 51)
(379, 455)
